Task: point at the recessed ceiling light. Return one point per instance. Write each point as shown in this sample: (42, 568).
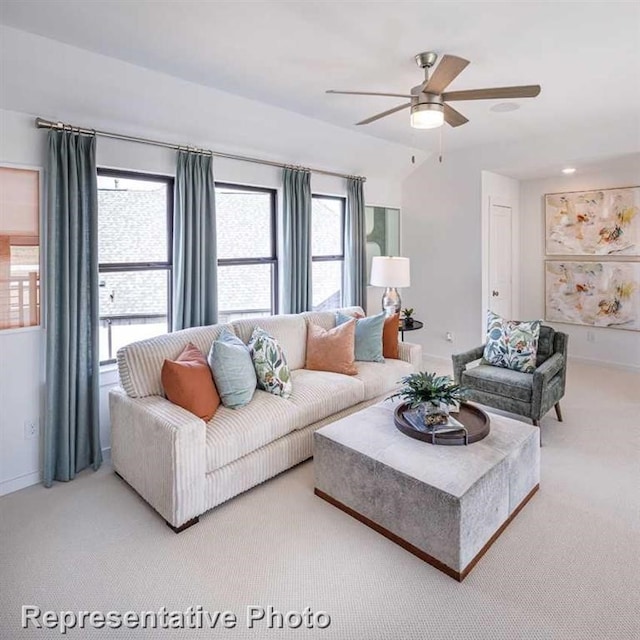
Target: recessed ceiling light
(569, 170)
(503, 107)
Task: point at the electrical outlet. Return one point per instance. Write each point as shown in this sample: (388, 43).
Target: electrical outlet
(449, 336)
(591, 336)
(30, 429)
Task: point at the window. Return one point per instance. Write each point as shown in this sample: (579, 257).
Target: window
(247, 254)
(19, 248)
(135, 213)
(327, 249)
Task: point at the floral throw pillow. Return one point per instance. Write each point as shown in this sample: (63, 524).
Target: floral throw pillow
(270, 364)
(512, 344)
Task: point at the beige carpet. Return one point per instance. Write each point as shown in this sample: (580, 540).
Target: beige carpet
(566, 568)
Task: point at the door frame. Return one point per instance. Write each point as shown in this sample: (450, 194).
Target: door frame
(504, 201)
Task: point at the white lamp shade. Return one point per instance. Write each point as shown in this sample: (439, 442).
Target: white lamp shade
(390, 272)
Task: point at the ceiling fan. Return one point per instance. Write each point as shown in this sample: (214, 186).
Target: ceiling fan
(428, 101)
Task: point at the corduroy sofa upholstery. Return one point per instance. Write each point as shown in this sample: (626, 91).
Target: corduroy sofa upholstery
(526, 394)
(183, 466)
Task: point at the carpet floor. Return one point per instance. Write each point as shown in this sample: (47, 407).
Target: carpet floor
(566, 568)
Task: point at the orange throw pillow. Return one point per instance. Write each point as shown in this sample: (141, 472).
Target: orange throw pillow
(188, 382)
(390, 347)
(332, 350)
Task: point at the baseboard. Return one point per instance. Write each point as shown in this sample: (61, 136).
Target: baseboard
(35, 477)
(635, 368)
(19, 482)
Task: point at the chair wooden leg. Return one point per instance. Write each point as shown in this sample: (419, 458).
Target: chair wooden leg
(558, 411)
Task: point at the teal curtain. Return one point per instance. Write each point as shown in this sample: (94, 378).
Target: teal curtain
(71, 425)
(195, 257)
(296, 241)
(354, 287)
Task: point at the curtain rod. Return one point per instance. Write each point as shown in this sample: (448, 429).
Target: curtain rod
(41, 123)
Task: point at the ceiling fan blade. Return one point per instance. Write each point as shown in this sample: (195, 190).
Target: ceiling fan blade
(453, 117)
(385, 113)
(497, 93)
(444, 74)
(369, 93)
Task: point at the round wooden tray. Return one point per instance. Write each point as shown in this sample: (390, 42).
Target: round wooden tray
(474, 419)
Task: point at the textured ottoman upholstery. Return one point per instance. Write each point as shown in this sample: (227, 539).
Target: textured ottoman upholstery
(446, 504)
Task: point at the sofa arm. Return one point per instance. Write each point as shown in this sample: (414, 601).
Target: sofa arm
(159, 449)
(461, 360)
(411, 353)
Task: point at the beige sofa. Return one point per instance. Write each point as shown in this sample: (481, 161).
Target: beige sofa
(183, 466)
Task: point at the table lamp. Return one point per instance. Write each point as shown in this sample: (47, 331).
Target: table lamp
(390, 272)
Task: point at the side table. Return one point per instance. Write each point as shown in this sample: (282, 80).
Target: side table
(403, 326)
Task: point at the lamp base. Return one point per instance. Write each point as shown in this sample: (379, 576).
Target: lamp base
(391, 302)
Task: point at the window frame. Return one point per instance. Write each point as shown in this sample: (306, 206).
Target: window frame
(117, 267)
(335, 257)
(273, 259)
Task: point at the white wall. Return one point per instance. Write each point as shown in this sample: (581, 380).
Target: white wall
(614, 346)
(46, 78)
(442, 227)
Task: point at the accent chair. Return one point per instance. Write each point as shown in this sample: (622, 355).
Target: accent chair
(526, 394)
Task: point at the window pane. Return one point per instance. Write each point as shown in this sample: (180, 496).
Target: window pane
(327, 285)
(133, 306)
(244, 290)
(19, 248)
(132, 220)
(243, 221)
(326, 226)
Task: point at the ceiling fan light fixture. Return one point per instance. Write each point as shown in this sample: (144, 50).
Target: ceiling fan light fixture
(427, 116)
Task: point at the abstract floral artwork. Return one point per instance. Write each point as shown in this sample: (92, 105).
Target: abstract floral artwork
(600, 294)
(600, 222)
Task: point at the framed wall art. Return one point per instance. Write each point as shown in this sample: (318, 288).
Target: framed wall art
(598, 223)
(597, 294)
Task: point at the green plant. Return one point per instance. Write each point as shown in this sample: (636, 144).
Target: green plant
(430, 388)
(407, 313)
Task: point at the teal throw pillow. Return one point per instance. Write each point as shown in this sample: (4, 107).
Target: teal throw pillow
(512, 344)
(232, 369)
(270, 364)
(368, 336)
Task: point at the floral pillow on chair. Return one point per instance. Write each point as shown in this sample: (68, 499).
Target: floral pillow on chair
(512, 344)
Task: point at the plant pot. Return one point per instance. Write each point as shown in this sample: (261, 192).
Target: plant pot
(433, 415)
(408, 322)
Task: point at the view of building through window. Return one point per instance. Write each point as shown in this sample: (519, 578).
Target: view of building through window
(134, 253)
(134, 248)
(327, 248)
(247, 252)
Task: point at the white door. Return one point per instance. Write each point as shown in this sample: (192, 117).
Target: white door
(500, 260)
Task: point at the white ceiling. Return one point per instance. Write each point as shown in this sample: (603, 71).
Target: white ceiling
(586, 56)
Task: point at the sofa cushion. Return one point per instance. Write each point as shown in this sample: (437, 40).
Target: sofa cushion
(327, 319)
(390, 334)
(289, 330)
(140, 363)
(233, 370)
(499, 381)
(233, 433)
(270, 363)
(368, 346)
(333, 349)
(318, 394)
(382, 377)
(187, 381)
